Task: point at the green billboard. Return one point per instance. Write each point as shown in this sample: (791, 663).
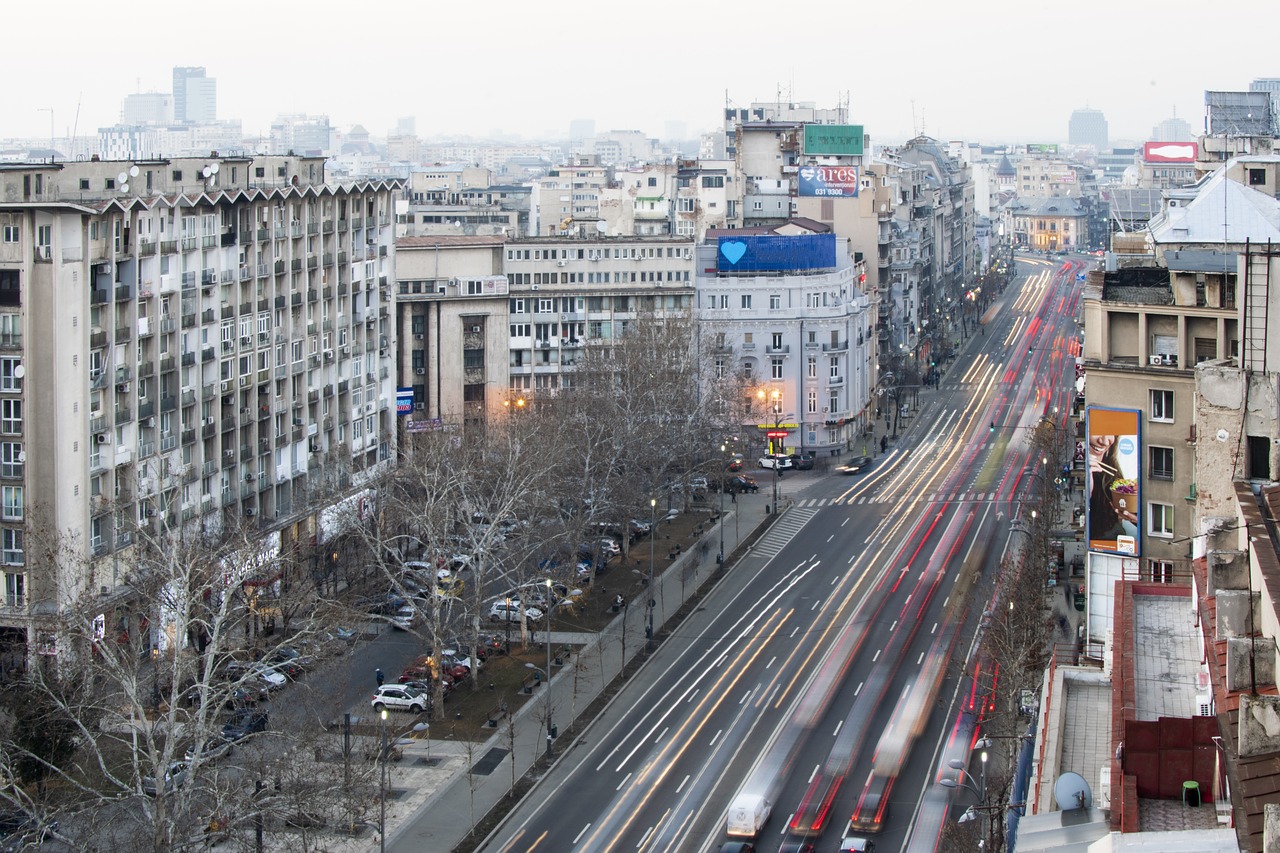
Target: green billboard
(837, 140)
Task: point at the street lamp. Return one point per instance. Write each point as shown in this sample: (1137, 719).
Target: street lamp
(382, 788)
(653, 534)
(724, 467)
(547, 688)
(776, 397)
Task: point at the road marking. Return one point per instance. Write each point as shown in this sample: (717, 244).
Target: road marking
(717, 737)
(771, 660)
(837, 731)
(832, 536)
(816, 768)
(620, 784)
(894, 625)
(746, 697)
(662, 734)
(846, 521)
(834, 579)
(919, 659)
(683, 782)
(946, 601)
(859, 690)
(582, 833)
(877, 655)
(693, 694)
(935, 628)
(644, 839)
(794, 631)
(816, 604)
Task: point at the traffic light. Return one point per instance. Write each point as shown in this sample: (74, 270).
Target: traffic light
(992, 427)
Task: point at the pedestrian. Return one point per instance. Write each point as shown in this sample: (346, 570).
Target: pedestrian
(884, 443)
(377, 674)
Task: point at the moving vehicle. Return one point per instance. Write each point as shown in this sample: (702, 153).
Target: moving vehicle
(856, 465)
(854, 844)
(801, 461)
(779, 461)
(748, 814)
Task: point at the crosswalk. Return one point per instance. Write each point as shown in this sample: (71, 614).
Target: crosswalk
(817, 503)
(783, 531)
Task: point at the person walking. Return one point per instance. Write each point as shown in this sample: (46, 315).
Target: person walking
(377, 674)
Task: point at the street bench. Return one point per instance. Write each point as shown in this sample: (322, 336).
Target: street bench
(496, 715)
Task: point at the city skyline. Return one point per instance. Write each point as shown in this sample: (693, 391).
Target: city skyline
(1013, 74)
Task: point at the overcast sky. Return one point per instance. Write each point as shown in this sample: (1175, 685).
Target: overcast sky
(987, 71)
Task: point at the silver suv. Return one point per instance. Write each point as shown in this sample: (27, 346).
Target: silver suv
(509, 611)
(402, 697)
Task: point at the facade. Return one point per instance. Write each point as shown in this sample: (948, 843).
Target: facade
(203, 343)
(147, 108)
(801, 338)
(567, 200)
(452, 322)
(1088, 127)
(1047, 224)
(300, 134)
(195, 96)
(567, 291)
(1047, 177)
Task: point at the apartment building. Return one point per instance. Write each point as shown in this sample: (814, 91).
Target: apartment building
(452, 320)
(567, 199)
(566, 292)
(796, 330)
(191, 343)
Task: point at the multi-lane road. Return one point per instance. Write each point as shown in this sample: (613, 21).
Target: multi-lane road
(821, 672)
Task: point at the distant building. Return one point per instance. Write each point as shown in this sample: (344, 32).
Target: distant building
(195, 96)
(300, 134)
(147, 108)
(1088, 127)
(1270, 85)
(1172, 130)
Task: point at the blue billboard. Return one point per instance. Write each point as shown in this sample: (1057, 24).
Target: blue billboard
(776, 253)
(827, 182)
(404, 400)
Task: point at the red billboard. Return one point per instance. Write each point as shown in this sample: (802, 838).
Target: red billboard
(1114, 514)
(1169, 152)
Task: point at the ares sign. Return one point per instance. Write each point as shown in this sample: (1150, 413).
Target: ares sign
(827, 182)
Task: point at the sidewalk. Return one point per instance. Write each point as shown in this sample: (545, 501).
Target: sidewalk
(458, 782)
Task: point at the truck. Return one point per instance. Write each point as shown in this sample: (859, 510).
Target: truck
(748, 814)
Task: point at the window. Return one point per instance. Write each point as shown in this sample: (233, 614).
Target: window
(15, 589)
(11, 503)
(724, 301)
(1162, 571)
(1161, 523)
(1161, 405)
(11, 417)
(775, 301)
(835, 367)
(812, 370)
(720, 368)
(746, 300)
(813, 300)
(747, 370)
(12, 233)
(1161, 463)
(775, 367)
(11, 553)
(10, 375)
(777, 340)
(11, 459)
(1257, 177)
(833, 403)
(811, 404)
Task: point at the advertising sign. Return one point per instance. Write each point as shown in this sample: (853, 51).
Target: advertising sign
(827, 182)
(776, 253)
(1114, 488)
(836, 140)
(1169, 152)
(1042, 148)
(404, 401)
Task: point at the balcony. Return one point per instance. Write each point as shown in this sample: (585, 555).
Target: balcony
(839, 346)
(124, 292)
(168, 247)
(782, 350)
(190, 244)
(146, 248)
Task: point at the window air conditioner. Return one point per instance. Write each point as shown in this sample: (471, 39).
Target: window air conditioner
(421, 371)
(149, 422)
(102, 438)
(123, 387)
(250, 511)
(226, 385)
(244, 410)
(419, 406)
(1155, 359)
(533, 287)
(417, 337)
(559, 263)
(250, 477)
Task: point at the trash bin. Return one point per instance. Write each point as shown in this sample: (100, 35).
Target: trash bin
(1191, 794)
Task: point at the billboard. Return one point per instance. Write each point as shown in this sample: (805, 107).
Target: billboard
(835, 140)
(1113, 518)
(1169, 152)
(827, 182)
(1042, 148)
(776, 253)
(404, 401)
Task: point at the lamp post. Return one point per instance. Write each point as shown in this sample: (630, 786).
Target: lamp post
(547, 687)
(382, 787)
(724, 467)
(981, 792)
(775, 397)
(653, 532)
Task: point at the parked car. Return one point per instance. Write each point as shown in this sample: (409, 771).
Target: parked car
(404, 618)
(243, 723)
(214, 747)
(175, 775)
(255, 674)
(401, 697)
(775, 460)
(292, 655)
(801, 461)
(639, 527)
(735, 462)
(504, 611)
(19, 829)
(741, 483)
(856, 465)
(245, 696)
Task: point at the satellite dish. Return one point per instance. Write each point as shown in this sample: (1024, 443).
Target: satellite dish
(22, 456)
(1072, 792)
(123, 177)
(213, 167)
(124, 188)
(133, 171)
(19, 371)
(1222, 435)
(206, 171)
(601, 226)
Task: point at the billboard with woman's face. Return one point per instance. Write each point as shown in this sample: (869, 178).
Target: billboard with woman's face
(1114, 515)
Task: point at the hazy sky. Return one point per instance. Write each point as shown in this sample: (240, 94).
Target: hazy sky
(986, 71)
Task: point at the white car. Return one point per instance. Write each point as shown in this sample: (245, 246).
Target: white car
(404, 617)
(509, 611)
(776, 460)
(401, 697)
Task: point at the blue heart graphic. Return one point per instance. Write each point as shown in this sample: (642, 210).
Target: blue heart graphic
(733, 250)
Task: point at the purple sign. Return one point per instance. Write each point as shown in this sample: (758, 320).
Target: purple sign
(827, 182)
